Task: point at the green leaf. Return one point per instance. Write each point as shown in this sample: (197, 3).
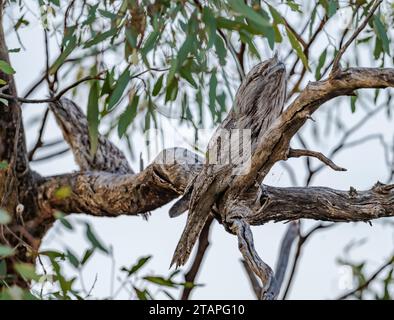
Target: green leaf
(378, 49)
(141, 262)
(88, 253)
(3, 269)
(52, 255)
(160, 281)
(381, 33)
(187, 75)
(333, 6)
(293, 5)
(213, 82)
(298, 48)
(353, 100)
(210, 25)
(93, 116)
(150, 42)
(94, 240)
(71, 45)
(158, 86)
(27, 271)
(60, 216)
(120, 86)
(100, 37)
(5, 102)
(220, 50)
(108, 84)
(276, 15)
(6, 251)
(55, 2)
(184, 50)
(72, 258)
(141, 295)
(107, 14)
(127, 117)
(322, 61)
(5, 218)
(249, 13)
(6, 68)
(172, 90)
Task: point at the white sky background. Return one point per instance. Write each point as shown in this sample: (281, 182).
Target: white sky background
(319, 276)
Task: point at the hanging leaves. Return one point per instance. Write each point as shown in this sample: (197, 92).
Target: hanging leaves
(120, 87)
(298, 48)
(126, 118)
(93, 116)
(381, 34)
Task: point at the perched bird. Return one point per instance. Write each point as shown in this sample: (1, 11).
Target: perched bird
(258, 102)
(74, 126)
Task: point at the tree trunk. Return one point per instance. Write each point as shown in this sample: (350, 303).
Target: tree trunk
(17, 184)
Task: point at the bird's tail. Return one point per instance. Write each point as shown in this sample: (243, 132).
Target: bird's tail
(195, 223)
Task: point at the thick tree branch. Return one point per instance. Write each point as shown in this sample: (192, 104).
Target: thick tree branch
(107, 194)
(275, 143)
(321, 203)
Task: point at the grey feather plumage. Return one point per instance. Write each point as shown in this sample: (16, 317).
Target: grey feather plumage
(258, 102)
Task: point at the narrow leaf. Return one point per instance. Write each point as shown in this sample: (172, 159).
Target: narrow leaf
(6, 68)
(381, 33)
(120, 86)
(127, 117)
(94, 240)
(297, 47)
(67, 51)
(93, 116)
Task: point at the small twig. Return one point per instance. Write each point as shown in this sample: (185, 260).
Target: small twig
(66, 89)
(52, 155)
(301, 242)
(296, 153)
(336, 66)
(287, 243)
(39, 143)
(88, 78)
(367, 282)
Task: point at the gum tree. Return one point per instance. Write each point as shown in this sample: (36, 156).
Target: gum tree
(137, 61)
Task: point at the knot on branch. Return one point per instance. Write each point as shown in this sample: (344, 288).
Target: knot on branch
(382, 188)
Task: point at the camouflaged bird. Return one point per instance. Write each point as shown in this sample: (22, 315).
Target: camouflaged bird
(74, 126)
(258, 102)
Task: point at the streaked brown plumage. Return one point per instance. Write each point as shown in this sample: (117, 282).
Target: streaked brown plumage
(258, 102)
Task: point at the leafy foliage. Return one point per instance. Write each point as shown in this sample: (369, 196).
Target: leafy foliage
(49, 279)
(168, 54)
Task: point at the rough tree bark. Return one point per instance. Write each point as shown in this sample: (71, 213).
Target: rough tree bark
(32, 199)
(18, 191)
